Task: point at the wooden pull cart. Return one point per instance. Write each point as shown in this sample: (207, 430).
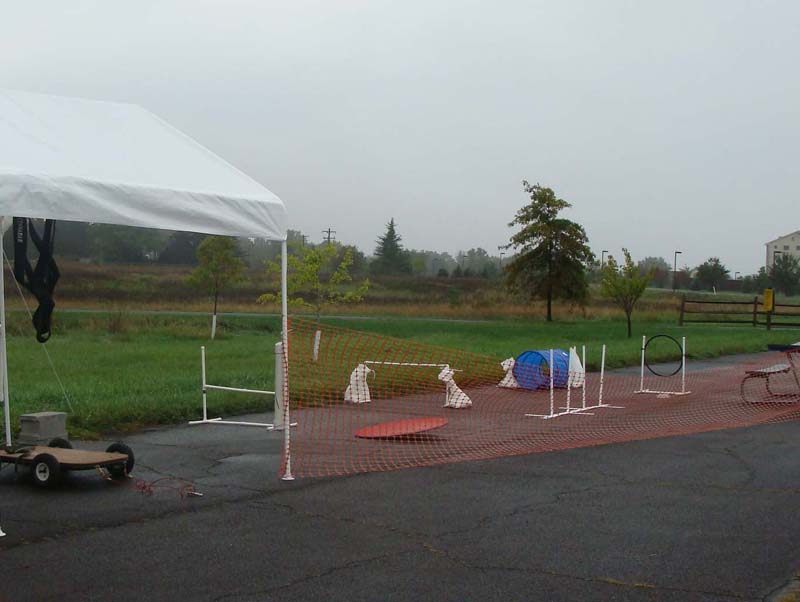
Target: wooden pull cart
(49, 463)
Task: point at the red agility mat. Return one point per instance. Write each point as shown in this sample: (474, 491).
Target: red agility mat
(401, 428)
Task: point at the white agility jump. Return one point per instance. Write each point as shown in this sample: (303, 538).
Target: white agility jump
(582, 409)
(358, 389)
(681, 368)
(278, 425)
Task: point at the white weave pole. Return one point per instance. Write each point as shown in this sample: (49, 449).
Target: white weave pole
(602, 374)
(644, 345)
(683, 365)
(583, 388)
(600, 403)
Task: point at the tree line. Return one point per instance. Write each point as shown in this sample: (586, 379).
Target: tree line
(549, 259)
(103, 243)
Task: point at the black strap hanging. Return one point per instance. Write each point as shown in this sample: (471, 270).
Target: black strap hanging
(40, 280)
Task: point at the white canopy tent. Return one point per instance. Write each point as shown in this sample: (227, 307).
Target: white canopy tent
(90, 161)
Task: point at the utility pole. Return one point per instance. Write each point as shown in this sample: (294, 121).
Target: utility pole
(329, 235)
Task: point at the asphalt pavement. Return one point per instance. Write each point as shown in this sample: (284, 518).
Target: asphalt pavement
(703, 517)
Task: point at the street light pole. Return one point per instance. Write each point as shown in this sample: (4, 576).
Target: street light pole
(603, 257)
(675, 271)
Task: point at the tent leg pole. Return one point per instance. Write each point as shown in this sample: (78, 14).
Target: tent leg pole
(3, 348)
(287, 447)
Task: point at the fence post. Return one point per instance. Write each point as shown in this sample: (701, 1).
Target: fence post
(755, 311)
(683, 307)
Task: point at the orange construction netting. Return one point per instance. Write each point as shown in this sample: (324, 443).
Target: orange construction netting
(365, 402)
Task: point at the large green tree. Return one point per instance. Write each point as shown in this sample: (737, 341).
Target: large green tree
(625, 284)
(390, 257)
(551, 252)
(661, 270)
(711, 273)
(784, 274)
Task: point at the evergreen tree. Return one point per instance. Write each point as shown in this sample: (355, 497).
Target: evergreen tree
(390, 257)
(551, 252)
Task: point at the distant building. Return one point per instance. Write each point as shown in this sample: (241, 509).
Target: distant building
(788, 244)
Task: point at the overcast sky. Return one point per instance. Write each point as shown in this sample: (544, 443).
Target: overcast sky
(667, 125)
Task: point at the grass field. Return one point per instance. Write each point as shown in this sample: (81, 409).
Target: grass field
(122, 371)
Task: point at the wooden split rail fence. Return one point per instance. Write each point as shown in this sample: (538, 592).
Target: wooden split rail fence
(707, 311)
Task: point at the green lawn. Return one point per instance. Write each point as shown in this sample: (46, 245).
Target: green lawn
(123, 372)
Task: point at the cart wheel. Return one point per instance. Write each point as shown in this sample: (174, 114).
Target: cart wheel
(46, 471)
(119, 471)
(60, 443)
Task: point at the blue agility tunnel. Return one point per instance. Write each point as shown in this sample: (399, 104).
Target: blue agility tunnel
(532, 369)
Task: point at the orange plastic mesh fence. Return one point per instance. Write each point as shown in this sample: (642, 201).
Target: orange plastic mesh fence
(364, 402)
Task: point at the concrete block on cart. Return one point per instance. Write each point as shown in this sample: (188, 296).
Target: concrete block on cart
(42, 427)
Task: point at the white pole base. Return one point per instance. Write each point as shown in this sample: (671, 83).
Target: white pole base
(651, 392)
(548, 416)
(266, 425)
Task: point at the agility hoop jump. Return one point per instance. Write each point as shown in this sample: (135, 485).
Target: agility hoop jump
(681, 368)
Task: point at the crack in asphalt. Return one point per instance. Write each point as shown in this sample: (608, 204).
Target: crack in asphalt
(422, 540)
(305, 579)
(788, 591)
(617, 582)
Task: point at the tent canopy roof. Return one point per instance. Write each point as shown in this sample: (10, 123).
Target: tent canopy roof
(90, 161)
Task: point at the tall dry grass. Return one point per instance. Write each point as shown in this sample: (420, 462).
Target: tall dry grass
(119, 288)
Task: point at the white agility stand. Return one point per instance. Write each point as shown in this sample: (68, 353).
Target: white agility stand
(382, 363)
(582, 409)
(683, 390)
(206, 387)
(358, 390)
